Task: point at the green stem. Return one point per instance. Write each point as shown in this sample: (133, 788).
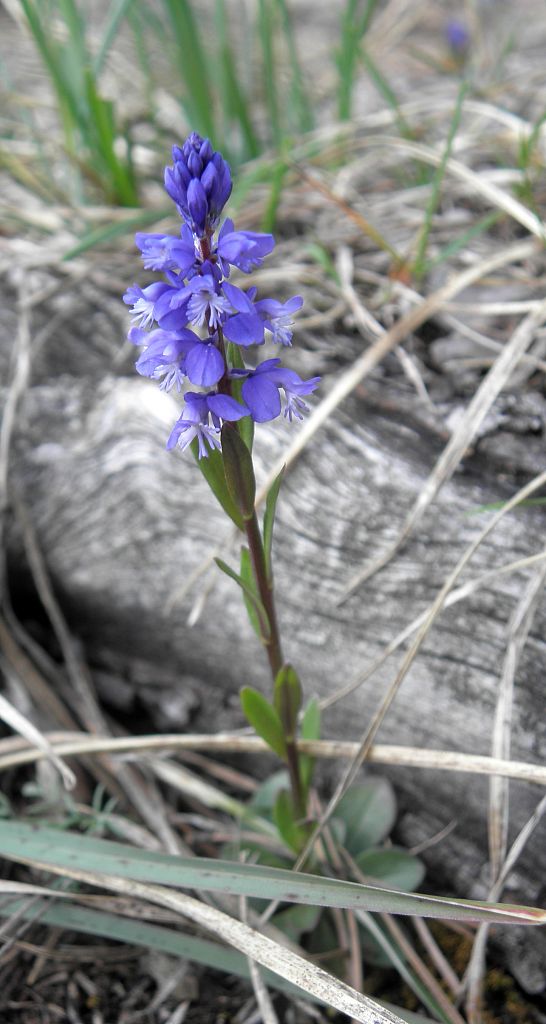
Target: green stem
(272, 643)
(274, 653)
(265, 591)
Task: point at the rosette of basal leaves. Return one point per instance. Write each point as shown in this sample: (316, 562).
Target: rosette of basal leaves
(360, 827)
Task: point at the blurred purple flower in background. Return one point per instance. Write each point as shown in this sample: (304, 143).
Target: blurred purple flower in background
(457, 36)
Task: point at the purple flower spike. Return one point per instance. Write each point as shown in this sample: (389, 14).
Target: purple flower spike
(199, 183)
(196, 293)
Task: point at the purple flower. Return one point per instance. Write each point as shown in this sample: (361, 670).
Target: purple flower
(144, 302)
(261, 391)
(277, 317)
(206, 304)
(165, 252)
(195, 420)
(164, 355)
(242, 249)
(245, 327)
(171, 309)
(172, 355)
(204, 364)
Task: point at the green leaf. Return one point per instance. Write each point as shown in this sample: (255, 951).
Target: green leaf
(287, 698)
(263, 800)
(309, 730)
(212, 469)
(263, 717)
(244, 426)
(296, 921)
(250, 595)
(30, 843)
(310, 723)
(286, 819)
(247, 579)
(394, 866)
(369, 812)
(239, 471)
(269, 519)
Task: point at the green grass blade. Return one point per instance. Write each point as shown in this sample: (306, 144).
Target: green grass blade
(299, 101)
(118, 177)
(399, 962)
(353, 29)
(21, 841)
(139, 933)
(193, 65)
(51, 58)
(105, 233)
(76, 30)
(496, 505)
(432, 205)
(278, 174)
(385, 90)
(75, 59)
(233, 100)
(266, 31)
(116, 13)
(450, 250)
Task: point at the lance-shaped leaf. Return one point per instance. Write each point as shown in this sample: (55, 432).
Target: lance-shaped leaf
(264, 718)
(23, 842)
(287, 698)
(245, 426)
(247, 578)
(285, 819)
(269, 519)
(250, 595)
(239, 471)
(212, 469)
(309, 730)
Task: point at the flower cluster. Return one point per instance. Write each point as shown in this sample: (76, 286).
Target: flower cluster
(183, 324)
